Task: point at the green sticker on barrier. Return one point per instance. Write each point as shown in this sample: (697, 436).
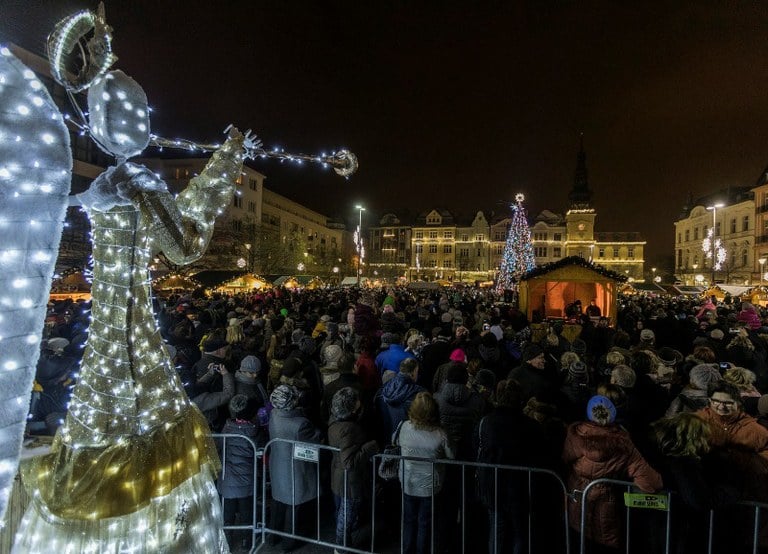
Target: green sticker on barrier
(648, 501)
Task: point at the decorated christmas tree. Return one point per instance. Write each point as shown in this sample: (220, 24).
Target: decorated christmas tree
(518, 252)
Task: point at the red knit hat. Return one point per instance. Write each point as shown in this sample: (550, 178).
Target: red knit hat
(458, 355)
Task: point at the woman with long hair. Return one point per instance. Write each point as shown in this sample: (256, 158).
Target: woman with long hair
(421, 436)
(702, 481)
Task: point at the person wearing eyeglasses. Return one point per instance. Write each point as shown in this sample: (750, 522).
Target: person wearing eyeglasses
(732, 427)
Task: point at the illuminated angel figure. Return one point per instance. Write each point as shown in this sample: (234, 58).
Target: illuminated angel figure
(132, 468)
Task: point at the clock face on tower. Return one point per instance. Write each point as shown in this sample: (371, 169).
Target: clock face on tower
(581, 226)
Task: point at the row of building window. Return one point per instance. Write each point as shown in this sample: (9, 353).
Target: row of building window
(557, 237)
(705, 230)
(448, 249)
(690, 262)
(479, 237)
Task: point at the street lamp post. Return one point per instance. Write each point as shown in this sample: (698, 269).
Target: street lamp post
(250, 259)
(360, 249)
(714, 233)
(695, 267)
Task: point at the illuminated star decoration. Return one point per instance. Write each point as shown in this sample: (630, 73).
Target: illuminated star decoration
(721, 254)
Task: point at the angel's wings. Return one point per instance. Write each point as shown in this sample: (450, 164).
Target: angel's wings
(35, 177)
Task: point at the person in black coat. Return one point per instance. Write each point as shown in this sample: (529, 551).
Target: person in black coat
(460, 409)
(507, 437)
(237, 482)
(702, 480)
(532, 375)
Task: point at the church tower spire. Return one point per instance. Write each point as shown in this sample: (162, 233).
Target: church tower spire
(580, 195)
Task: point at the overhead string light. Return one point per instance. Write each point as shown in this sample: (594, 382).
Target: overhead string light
(69, 35)
(343, 161)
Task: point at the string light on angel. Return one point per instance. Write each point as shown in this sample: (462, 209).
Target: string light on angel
(134, 456)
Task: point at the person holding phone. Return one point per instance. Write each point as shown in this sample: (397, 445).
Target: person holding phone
(215, 388)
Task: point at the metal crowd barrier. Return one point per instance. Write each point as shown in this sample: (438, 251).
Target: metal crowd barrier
(474, 466)
(303, 453)
(312, 453)
(255, 526)
(628, 486)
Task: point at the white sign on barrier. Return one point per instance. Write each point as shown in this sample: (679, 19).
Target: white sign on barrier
(306, 452)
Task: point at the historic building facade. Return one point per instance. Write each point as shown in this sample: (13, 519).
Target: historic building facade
(262, 230)
(441, 247)
(738, 216)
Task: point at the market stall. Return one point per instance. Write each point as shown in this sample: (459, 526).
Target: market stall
(549, 289)
(71, 285)
(174, 283)
(242, 283)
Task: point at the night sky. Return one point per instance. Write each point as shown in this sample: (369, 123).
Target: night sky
(459, 107)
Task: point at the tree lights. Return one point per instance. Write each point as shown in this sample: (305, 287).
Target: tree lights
(518, 252)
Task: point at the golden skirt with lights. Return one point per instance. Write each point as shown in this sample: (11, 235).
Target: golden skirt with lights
(91, 483)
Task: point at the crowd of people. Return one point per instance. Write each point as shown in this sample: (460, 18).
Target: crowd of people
(669, 396)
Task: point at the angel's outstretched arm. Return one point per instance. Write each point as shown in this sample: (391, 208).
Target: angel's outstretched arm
(182, 227)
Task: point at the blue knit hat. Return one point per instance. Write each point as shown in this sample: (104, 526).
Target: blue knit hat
(601, 410)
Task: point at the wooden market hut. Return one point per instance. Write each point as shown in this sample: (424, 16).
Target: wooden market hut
(174, 283)
(312, 283)
(72, 285)
(247, 282)
(720, 290)
(287, 281)
(550, 288)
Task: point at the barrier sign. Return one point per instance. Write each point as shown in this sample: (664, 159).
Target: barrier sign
(647, 501)
(306, 452)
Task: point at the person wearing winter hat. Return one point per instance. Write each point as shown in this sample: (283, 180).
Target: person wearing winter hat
(248, 381)
(579, 347)
(330, 370)
(457, 358)
(307, 346)
(296, 336)
(647, 338)
(214, 389)
(599, 438)
(694, 396)
(285, 397)
(215, 351)
(600, 410)
(533, 375)
(350, 478)
(294, 482)
(576, 390)
(236, 483)
(623, 376)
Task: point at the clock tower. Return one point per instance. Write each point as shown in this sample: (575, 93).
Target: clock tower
(580, 218)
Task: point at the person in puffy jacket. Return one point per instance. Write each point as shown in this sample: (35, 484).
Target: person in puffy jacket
(350, 472)
(237, 482)
(294, 482)
(598, 449)
(393, 399)
(749, 315)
